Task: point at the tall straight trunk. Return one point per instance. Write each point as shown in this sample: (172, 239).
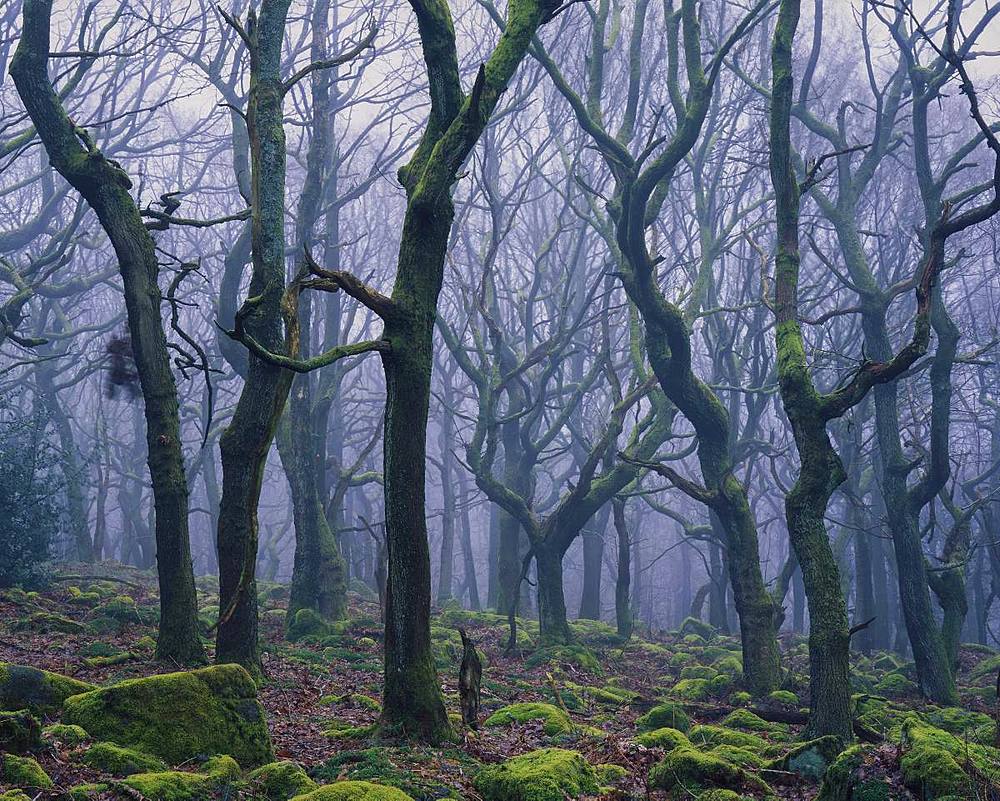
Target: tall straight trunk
(593, 563)
(447, 441)
(510, 535)
(623, 606)
(468, 554)
(246, 441)
(493, 553)
(319, 580)
(412, 702)
(864, 608)
(76, 512)
(105, 186)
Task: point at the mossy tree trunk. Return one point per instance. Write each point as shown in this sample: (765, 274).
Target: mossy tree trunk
(319, 574)
(105, 186)
(247, 440)
(623, 606)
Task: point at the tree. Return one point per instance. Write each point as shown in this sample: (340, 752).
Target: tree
(105, 186)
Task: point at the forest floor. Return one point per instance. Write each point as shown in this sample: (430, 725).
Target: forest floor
(321, 700)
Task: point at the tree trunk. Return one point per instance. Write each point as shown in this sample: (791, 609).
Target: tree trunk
(552, 622)
(593, 564)
(105, 186)
(623, 607)
(246, 442)
(447, 440)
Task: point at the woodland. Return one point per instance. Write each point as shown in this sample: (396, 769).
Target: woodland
(505, 400)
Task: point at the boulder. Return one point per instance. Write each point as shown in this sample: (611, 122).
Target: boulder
(39, 691)
(179, 716)
(550, 774)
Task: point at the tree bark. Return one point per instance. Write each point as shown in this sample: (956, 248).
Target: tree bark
(105, 186)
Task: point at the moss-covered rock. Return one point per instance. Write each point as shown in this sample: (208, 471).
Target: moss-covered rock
(896, 685)
(932, 759)
(699, 672)
(179, 716)
(20, 732)
(551, 774)
(86, 792)
(306, 623)
(609, 774)
(719, 795)
(575, 655)
(692, 689)
(48, 623)
(719, 735)
(691, 625)
(23, 772)
(665, 738)
(279, 781)
(217, 776)
(745, 720)
(65, 733)
(354, 791)
(39, 691)
(847, 780)
(555, 720)
(810, 759)
(119, 761)
(691, 769)
(15, 795)
(784, 698)
(664, 715)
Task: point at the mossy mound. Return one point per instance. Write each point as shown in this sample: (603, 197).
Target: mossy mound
(23, 772)
(85, 792)
(692, 689)
(306, 623)
(664, 715)
(20, 732)
(279, 781)
(719, 735)
(555, 720)
(665, 738)
(690, 769)
(354, 791)
(550, 774)
(576, 655)
(39, 691)
(217, 776)
(965, 723)
(896, 685)
(932, 761)
(119, 761)
(745, 720)
(691, 625)
(810, 759)
(48, 623)
(848, 780)
(179, 716)
(15, 795)
(65, 733)
(784, 698)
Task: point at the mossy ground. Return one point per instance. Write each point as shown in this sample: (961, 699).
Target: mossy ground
(322, 698)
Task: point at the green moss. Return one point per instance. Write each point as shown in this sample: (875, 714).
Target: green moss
(23, 772)
(354, 791)
(896, 685)
(667, 714)
(719, 795)
(740, 698)
(20, 732)
(975, 726)
(841, 777)
(742, 757)
(306, 622)
(279, 781)
(717, 735)
(681, 658)
(48, 623)
(85, 792)
(692, 689)
(610, 774)
(217, 776)
(65, 733)
(746, 720)
(699, 672)
(119, 761)
(689, 769)
(784, 697)
(575, 655)
(39, 691)
(551, 774)
(178, 716)
(932, 760)
(555, 720)
(810, 759)
(594, 632)
(730, 665)
(988, 668)
(15, 795)
(345, 730)
(692, 625)
(665, 738)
